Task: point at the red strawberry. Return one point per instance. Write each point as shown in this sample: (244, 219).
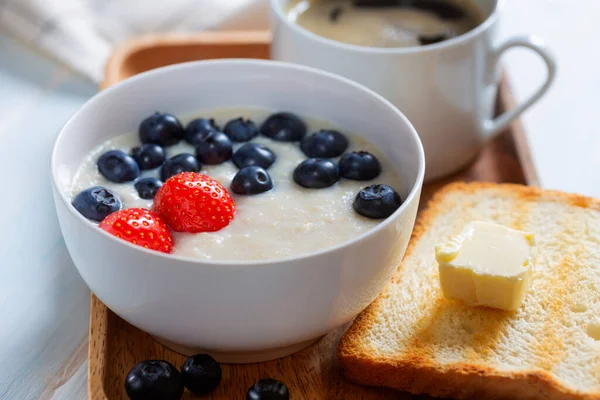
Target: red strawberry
(192, 202)
(139, 226)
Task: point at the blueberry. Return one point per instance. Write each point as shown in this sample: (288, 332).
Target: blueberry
(154, 380)
(96, 203)
(117, 166)
(240, 130)
(201, 374)
(254, 154)
(214, 148)
(147, 187)
(377, 201)
(198, 128)
(284, 127)
(251, 180)
(360, 166)
(149, 155)
(316, 173)
(324, 144)
(268, 389)
(161, 128)
(180, 163)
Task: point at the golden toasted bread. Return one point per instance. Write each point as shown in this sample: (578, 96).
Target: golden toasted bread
(411, 338)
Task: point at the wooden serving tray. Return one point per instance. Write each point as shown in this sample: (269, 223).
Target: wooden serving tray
(115, 346)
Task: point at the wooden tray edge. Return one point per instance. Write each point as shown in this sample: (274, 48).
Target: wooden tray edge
(111, 69)
(507, 102)
(98, 348)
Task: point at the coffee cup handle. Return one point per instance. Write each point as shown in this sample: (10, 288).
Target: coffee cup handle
(492, 126)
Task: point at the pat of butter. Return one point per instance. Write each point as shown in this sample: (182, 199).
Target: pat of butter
(487, 265)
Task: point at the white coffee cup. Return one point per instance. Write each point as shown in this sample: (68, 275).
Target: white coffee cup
(447, 90)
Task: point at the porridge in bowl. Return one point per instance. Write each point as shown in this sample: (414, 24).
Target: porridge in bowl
(281, 185)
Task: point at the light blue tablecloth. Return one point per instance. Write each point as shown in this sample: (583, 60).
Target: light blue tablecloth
(44, 304)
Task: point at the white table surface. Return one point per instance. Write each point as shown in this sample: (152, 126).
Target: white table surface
(44, 303)
(563, 128)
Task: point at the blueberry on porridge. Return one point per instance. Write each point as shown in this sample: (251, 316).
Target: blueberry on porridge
(161, 128)
(116, 166)
(214, 148)
(316, 173)
(241, 130)
(325, 143)
(149, 156)
(198, 128)
(377, 201)
(147, 187)
(251, 180)
(360, 166)
(252, 154)
(183, 162)
(231, 193)
(96, 203)
(284, 127)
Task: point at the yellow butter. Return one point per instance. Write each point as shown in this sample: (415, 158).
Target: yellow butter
(487, 265)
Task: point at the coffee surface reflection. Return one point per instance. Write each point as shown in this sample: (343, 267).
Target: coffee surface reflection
(386, 23)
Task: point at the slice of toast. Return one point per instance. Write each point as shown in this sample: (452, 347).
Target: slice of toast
(412, 339)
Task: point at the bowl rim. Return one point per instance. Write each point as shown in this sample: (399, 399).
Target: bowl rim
(414, 190)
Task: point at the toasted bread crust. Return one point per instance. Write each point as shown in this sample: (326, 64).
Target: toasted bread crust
(419, 374)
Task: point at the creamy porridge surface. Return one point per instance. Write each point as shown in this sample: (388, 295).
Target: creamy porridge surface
(287, 221)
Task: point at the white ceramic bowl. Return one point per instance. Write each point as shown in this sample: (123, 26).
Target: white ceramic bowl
(239, 312)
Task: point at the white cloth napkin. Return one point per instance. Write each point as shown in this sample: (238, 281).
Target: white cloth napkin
(83, 33)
